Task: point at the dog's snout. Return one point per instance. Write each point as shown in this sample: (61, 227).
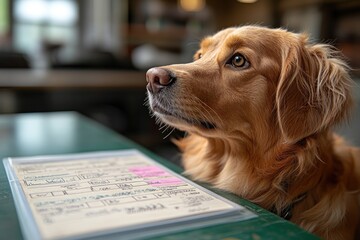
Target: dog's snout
(159, 78)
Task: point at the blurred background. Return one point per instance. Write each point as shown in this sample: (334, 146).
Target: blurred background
(91, 56)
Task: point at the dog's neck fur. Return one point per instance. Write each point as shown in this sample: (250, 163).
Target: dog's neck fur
(263, 176)
(281, 174)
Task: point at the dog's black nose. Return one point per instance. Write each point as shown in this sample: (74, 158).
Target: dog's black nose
(158, 78)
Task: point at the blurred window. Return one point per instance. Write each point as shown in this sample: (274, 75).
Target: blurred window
(4, 17)
(39, 21)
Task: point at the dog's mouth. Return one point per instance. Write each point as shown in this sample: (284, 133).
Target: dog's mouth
(171, 117)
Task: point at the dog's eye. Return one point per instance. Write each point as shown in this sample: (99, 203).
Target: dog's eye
(238, 61)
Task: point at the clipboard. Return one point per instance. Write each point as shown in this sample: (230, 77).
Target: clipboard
(122, 194)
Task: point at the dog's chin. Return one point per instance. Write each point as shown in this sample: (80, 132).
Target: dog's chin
(180, 121)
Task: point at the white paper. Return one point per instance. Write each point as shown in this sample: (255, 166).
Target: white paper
(77, 197)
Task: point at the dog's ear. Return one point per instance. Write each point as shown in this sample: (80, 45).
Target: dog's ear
(313, 91)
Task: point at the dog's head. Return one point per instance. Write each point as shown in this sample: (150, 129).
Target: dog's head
(252, 79)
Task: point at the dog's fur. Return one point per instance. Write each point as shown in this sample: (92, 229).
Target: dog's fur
(263, 131)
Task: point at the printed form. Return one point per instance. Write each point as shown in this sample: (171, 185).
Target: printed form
(100, 194)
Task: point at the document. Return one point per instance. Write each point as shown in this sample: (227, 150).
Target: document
(82, 195)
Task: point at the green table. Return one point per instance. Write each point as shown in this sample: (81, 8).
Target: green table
(69, 132)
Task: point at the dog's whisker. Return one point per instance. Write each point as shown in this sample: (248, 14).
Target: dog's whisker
(209, 110)
(171, 131)
(204, 120)
(162, 126)
(165, 128)
(205, 114)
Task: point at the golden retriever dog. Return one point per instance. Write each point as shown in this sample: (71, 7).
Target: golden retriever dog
(258, 105)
